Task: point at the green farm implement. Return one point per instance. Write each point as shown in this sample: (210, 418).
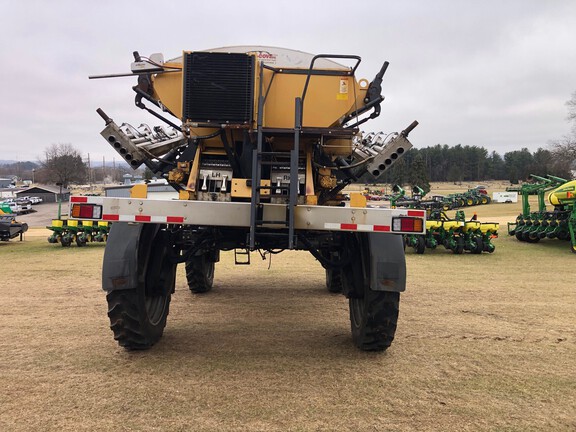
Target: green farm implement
(416, 201)
(66, 231)
(10, 228)
(456, 234)
(559, 223)
(471, 197)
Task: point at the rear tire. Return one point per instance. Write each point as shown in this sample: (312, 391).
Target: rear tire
(138, 313)
(373, 319)
(334, 280)
(200, 274)
(373, 314)
(420, 244)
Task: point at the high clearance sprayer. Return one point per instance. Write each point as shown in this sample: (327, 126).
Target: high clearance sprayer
(259, 142)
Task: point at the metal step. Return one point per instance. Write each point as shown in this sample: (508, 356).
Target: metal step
(241, 256)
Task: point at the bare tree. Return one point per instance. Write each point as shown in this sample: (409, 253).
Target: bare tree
(564, 155)
(63, 164)
(564, 149)
(571, 104)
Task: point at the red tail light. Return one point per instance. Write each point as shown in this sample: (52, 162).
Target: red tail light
(86, 211)
(407, 224)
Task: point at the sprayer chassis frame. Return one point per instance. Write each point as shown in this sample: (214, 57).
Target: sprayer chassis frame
(237, 214)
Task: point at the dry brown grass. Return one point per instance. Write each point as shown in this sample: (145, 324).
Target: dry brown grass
(484, 342)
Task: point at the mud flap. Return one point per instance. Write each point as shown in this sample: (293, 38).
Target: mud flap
(120, 264)
(387, 262)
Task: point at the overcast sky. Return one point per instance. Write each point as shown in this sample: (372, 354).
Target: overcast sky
(494, 74)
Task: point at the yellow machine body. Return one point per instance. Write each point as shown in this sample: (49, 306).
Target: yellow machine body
(567, 191)
(329, 98)
(243, 111)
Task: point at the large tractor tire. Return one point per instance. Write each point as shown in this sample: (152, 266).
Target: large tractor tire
(333, 275)
(373, 314)
(334, 280)
(200, 274)
(138, 310)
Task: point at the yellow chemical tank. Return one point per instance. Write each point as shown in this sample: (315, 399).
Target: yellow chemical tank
(330, 97)
(567, 191)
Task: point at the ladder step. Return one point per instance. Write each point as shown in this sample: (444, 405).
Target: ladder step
(273, 187)
(273, 153)
(272, 234)
(272, 222)
(276, 163)
(241, 256)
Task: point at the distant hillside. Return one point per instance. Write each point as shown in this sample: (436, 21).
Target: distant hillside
(119, 164)
(26, 165)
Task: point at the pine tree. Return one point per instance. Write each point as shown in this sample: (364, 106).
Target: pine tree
(418, 175)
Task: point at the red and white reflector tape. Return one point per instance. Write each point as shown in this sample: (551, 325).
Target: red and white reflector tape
(416, 213)
(356, 227)
(143, 218)
(86, 200)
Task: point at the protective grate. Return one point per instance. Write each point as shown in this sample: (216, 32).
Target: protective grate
(218, 87)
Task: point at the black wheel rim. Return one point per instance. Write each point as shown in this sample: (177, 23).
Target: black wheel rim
(160, 272)
(357, 307)
(210, 272)
(155, 307)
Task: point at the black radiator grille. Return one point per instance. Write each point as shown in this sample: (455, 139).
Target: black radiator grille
(218, 87)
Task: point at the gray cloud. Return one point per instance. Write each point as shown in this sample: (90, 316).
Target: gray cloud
(493, 74)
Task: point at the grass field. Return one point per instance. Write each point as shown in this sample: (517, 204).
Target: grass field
(484, 342)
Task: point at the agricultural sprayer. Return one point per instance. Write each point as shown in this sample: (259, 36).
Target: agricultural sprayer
(259, 142)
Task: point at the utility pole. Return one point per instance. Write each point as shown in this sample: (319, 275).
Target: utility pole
(89, 173)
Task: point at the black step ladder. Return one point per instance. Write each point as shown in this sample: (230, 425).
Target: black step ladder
(286, 158)
(259, 157)
(241, 256)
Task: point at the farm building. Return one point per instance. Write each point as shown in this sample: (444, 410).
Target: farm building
(49, 194)
(5, 182)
